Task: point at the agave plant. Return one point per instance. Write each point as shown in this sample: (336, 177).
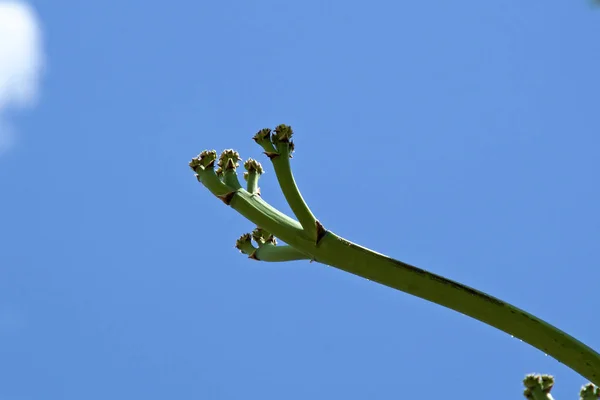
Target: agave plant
(306, 238)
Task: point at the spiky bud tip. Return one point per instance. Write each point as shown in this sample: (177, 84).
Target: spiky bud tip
(282, 139)
(252, 165)
(263, 134)
(261, 237)
(205, 159)
(229, 159)
(244, 245)
(589, 392)
(547, 383)
(283, 134)
(532, 380)
(538, 386)
(243, 241)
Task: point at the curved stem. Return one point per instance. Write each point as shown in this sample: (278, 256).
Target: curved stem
(283, 171)
(340, 253)
(307, 239)
(350, 257)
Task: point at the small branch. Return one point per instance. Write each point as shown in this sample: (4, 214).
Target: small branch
(203, 165)
(244, 244)
(279, 149)
(268, 251)
(253, 171)
(228, 162)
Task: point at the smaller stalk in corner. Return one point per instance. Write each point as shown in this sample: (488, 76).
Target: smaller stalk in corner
(589, 392)
(538, 387)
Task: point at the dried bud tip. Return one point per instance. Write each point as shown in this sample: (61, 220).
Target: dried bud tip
(262, 236)
(544, 382)
(589, 391)
(252, 165)
(283, 133)
(229, 159)
(547, 382)
(531, 380)
(205, 159)
(263, 134)
(244, 239)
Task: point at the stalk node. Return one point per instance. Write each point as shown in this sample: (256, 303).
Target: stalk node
(226, 198)
(321, 231)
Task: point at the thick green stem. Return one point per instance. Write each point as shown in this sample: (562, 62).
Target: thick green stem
(350, 257)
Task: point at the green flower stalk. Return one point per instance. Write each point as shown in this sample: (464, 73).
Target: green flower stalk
(307, 239)
(279, 147)
(253, 171)
(228, 162)
(267, 248)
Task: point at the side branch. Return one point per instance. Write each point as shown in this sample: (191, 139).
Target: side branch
(278, 147)
(268, 251)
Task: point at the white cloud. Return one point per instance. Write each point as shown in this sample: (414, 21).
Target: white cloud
(21, 63)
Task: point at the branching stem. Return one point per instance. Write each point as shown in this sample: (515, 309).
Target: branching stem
(307, 239)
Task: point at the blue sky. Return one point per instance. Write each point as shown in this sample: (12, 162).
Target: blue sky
(462, 137)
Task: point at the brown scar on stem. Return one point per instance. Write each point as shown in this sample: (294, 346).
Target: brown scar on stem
(226, 198)
(321, 231)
